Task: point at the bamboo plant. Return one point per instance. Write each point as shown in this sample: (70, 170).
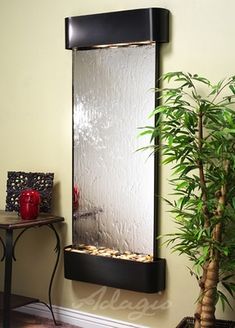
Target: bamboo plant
(196, 129)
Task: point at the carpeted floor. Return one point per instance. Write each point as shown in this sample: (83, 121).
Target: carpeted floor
(21, 320)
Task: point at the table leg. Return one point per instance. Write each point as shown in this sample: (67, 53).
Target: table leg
(7, 279)
(57, 250)
(11, 255)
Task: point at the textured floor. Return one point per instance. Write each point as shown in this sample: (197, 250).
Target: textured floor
(20, 320)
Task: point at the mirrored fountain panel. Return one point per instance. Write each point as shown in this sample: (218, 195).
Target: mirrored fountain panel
(113, 95)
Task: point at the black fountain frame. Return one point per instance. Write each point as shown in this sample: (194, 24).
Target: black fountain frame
(122, 28)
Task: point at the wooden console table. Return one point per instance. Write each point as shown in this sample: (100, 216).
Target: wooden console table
(9, 222)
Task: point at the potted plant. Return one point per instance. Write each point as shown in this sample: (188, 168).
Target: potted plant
(196, 128)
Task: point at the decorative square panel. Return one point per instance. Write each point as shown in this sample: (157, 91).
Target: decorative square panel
(19, 181)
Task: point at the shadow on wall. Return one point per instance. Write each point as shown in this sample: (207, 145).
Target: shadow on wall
(56, 198)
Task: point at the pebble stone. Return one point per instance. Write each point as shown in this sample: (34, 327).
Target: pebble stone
(109, 252)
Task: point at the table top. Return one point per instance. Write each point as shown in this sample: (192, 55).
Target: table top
(11, 220)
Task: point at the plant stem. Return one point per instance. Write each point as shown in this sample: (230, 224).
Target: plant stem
(208, 300)
(202, 280)
(197, 314)
(201, 170)
(212, 276)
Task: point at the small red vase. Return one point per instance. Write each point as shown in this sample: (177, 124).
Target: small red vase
(29, 201)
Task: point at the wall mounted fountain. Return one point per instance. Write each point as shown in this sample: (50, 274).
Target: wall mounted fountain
(115, 209)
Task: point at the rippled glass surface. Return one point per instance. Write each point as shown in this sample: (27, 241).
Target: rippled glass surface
(113, 95)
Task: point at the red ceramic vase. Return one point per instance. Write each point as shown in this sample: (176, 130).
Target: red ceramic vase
(29, 201)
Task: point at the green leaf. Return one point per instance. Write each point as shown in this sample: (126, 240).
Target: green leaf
(231, 87)
(224, 300)
(229, 288)
(228, 277)
(182, 185)
(169, 160)
(143, 133)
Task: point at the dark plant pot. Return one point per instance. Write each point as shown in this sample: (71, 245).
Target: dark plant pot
(118, 273)
(188, 322)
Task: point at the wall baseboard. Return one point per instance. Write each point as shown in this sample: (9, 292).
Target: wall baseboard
(75, 317)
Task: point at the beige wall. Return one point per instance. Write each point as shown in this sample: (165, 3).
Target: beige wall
(35, 132)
